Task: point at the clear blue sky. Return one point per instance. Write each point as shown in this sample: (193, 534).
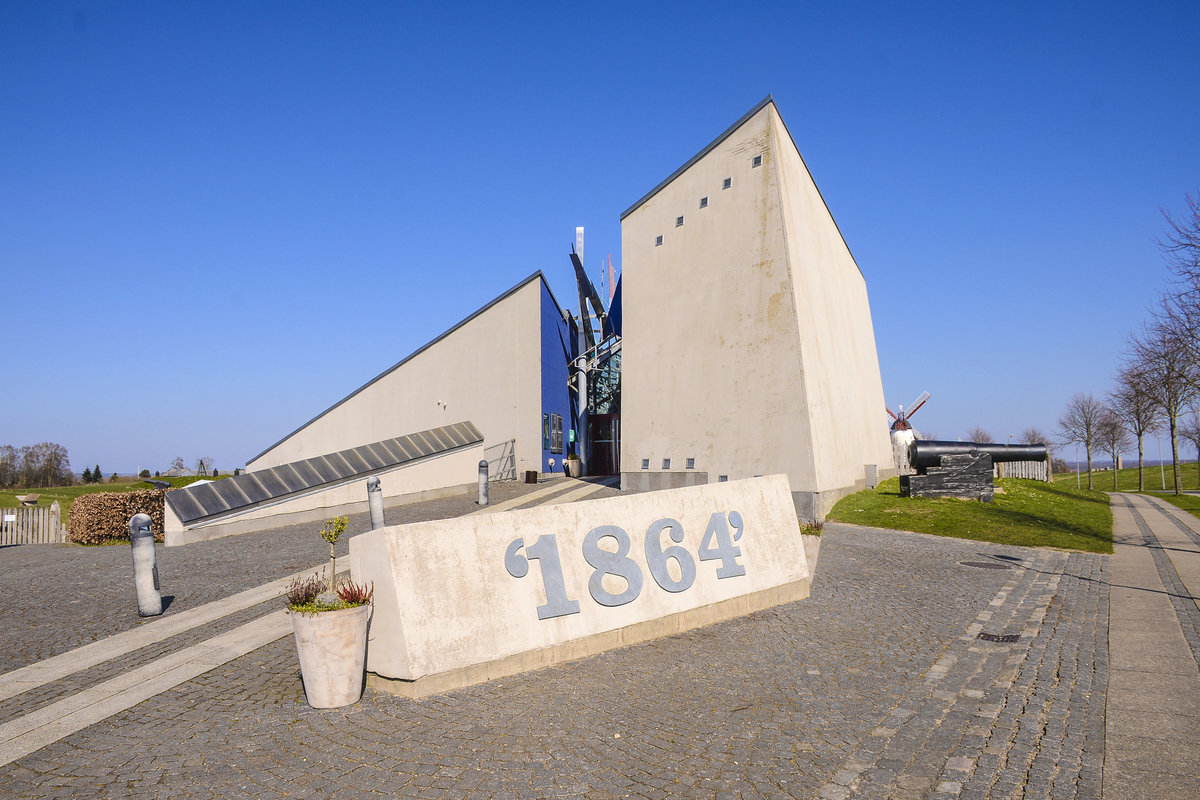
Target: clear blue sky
(217, 219)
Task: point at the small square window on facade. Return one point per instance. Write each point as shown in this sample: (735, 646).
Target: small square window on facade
(645, 463)
(678, 221)
(690, 463)
(666, 463)
(722, 478)
(728, 182)
(757, 162)
(704, 202)
(657, 241)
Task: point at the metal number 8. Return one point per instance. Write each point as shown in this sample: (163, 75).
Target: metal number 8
(606, 562)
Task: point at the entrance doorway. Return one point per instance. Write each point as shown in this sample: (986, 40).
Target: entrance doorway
(604, 444)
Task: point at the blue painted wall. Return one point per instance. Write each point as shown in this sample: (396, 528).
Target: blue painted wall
(558, 350)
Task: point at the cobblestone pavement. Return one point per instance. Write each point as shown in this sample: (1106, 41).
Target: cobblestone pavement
(58, 597)
(878, 685)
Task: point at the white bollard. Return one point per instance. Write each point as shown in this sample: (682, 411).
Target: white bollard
(375, 501)
(145, 566)
(483, 482)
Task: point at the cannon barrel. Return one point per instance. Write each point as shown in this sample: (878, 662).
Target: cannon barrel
(927, 453)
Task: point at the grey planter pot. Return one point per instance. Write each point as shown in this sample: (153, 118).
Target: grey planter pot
(332, 646)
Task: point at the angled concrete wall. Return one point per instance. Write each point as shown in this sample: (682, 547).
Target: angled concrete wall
(837, 338)
(487, 369)
(748, 343)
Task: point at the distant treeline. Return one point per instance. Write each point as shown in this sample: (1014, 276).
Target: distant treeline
(35, 466)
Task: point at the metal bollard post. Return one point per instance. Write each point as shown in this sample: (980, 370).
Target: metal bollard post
(145, 568)
(483, 482)
(375, 501)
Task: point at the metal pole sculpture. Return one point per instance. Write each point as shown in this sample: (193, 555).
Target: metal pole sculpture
(375, 501)
(145, 569)
(1161, 467)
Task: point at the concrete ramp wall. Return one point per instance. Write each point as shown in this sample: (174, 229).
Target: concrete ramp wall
(459, 601)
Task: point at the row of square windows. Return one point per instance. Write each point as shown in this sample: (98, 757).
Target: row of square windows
(666, 463)
(690, 463)
(757, 162)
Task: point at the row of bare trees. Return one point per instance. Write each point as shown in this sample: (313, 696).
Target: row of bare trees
(203, 465)
(1158, 383)
(40, 465)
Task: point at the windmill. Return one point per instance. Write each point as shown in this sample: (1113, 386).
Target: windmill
(903, 433)
(901, 419)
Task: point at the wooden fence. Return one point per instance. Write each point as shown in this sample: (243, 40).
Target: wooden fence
(32, 525)
(1031, 470)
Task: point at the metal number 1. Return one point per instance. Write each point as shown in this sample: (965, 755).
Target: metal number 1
(545, 550)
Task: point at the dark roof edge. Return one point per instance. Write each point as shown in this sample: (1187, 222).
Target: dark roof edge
(218, 516)
(832, 218)
(707, 149)
(415, 353)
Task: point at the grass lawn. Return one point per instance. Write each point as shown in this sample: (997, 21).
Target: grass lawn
(1188, 502)
(1127, 479)
(1026, 513)
(65, 495)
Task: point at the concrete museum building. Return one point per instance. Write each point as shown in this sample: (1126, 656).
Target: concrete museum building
(738, 343)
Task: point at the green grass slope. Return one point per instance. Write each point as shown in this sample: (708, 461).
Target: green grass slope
(1025, 513)
(65, 495)
(1127, 479)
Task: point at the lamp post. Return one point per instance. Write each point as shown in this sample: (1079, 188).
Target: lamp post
(1161, 467)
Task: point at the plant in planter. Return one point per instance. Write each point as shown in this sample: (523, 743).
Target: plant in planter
(330, 624)
(331, 531)
(572, 465)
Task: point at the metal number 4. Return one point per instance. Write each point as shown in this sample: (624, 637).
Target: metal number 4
(718, 545)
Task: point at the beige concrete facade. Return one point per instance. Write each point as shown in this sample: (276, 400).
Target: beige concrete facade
(487, 369)
(748, 343)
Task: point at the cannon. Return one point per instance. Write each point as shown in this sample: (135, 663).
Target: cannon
(924, 453)
(960, 469)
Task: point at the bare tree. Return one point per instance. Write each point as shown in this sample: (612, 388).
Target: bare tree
(1137, 411)
(979, 435)
(43, 464)
(1161, 357)
(1181, 247)
(1189, 429)
(177, 464)
(10, 466)
(203, 465)
(1034, 435)
(1078, 425)
(1180, 307)
(1112, 436)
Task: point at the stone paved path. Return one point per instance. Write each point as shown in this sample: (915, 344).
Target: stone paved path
(1153, 722)
(919, 667)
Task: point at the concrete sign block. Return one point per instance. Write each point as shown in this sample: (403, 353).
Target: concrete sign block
(460, 601)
